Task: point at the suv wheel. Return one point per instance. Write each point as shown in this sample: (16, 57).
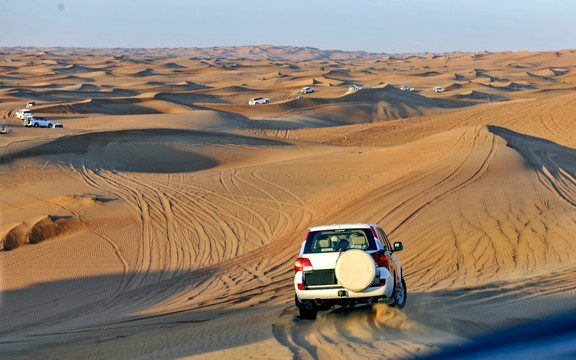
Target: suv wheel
(400, 295)
(305, 313)
(309, 314)
(36, 125)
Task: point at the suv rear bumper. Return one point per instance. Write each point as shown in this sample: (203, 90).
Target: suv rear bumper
(339, 293)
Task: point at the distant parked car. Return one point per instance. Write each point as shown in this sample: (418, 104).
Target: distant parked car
(23, 114)
(306, 90)
(31, 104)
(352, 88)
(404, 88)
(38, 122)
(258, 101)
(439, 89)
(58, 126)
(412, 89)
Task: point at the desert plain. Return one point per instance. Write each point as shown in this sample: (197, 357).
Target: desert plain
(163, 220)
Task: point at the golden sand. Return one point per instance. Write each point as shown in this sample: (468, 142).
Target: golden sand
(164, 219)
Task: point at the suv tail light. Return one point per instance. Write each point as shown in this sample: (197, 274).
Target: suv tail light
(301, 263)
(381, 259)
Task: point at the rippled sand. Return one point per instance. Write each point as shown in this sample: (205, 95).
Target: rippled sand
(163, 220)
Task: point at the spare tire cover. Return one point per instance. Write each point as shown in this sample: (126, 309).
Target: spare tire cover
(355, 270)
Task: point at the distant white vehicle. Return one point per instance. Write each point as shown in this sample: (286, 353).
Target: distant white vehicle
(31, 104)
(412, 89)
(23, 114)
(404, 88)
(439, 89)
(58, 126)
(258, 101)
(354, 88)
(306, 90)
(38, 122)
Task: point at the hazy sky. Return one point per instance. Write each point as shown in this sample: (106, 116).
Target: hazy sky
(371, 25)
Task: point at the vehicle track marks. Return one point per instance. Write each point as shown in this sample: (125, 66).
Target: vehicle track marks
(195, 222)
(475, 176)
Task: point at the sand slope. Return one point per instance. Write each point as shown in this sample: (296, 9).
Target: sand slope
(164, 219)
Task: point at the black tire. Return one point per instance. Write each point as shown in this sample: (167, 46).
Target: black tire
(36, 125)
(307, 314)
(50, 125)
(400, 294)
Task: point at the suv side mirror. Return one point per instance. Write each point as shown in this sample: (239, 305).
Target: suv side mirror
(398, 246)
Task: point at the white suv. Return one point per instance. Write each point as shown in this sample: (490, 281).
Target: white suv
(38, 122)
(307, 90)
(345, 265)
(258, 101)
(23, 114)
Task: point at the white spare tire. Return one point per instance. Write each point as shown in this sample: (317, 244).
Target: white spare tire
(355, 270)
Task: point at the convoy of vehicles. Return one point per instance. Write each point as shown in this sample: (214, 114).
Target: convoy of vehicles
(26, 115)
(29, 120)
(351, 88)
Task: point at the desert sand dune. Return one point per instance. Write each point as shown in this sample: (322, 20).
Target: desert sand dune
(368, 105)
(87, 77)
(73, 69)
(510, 86)
(107, 106)
(477, 95)
(164, 219)
(81, 87)
(228, 90)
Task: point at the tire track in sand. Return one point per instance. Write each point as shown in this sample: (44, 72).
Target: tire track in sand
(451, 180)
(191, 226)
(94, 307)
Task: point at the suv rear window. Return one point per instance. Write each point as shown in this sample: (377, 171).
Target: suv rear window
(339, 239)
